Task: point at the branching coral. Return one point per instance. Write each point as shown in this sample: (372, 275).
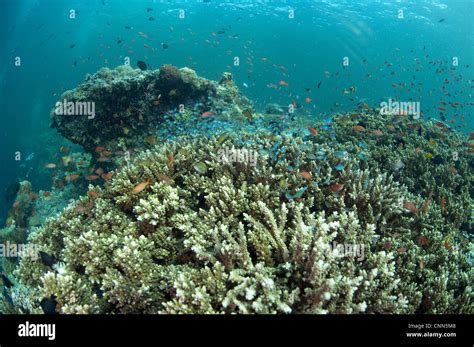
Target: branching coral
(181, 231)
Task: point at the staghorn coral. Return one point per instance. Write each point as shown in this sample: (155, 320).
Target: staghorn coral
(196, 234)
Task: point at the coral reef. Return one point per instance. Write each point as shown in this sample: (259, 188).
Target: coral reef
(131, 104)
(180, 230)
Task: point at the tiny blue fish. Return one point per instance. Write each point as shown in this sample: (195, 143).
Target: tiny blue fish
(341, 154)
(297, 195)
(339, 167)
(31, 156)
(362, 156)
(363, 144)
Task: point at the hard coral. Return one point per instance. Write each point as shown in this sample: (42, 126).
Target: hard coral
(204, 235)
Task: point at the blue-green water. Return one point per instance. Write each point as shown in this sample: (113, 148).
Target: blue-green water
(302, 43)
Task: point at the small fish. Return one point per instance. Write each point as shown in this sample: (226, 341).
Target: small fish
(306, 175)
(142, 65)
(341, 154)
(402, 250)
(313, 131)
(427, 202)
(149, 9)
(107, 176)
(72, 177)
(145, 45)
(248, 114)
(128, 27)
(336, 187)
(49, 305)
(308, 100)
(423, 241)
(50, 166)
(358, 128)
(46, 258)
(31, 156)
(92, 194)
(339, 167)
(164, 45)
(46, 194)
(245, 85)
(443, 203)
(166, 179)
(409, 206)
(72, 46)
(207, 114)
(429, 155)
(151, 19)
(297, 195)
(170, 160)
(139, 187)
(319, 84)
(377, 132)
(200, 168)
(283, 83)
(363, 144)
(92, 177)
(99, 149)
(441, 20)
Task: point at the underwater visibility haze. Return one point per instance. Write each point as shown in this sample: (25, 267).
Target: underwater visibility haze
(237, 156)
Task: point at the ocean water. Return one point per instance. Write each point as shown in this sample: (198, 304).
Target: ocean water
(325, 57)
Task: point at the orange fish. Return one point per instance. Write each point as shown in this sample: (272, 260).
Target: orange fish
(426, 205)
(103, 159)
(92, 177)
(107, 176)
(443, 203)
(207, 114)
(166, 179)
(402, 250)
(72, 177)
(308, 100)
(447, 245)
(306, 175)
(170, 161)
(441, 108)
(336, 187)
(45, 194)
(99, 171)
(50, 166)
(145, 45)
(423, 241)
(409, 206)
(358, 128)
(313, 131)
(16, 204)
(283, 83)
(99, 149)
(139, 187)
(105, 153)
(366, 106)
(93, 194)
(377, 132)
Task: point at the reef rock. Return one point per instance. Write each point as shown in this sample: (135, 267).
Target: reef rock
(125, 104)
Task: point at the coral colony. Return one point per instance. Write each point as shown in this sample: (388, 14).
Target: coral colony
(197, 203)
